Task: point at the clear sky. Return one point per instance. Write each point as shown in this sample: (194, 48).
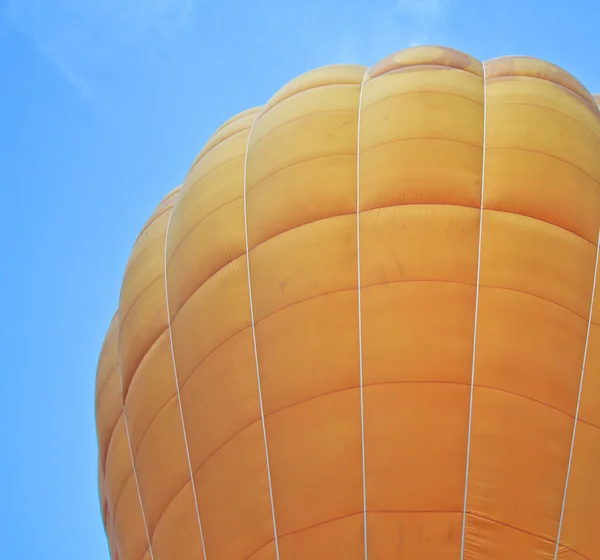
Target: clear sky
(104, 105)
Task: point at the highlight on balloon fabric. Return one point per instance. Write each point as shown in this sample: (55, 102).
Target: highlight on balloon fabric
(367, 325)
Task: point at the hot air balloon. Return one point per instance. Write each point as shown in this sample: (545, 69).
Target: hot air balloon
(365, 327)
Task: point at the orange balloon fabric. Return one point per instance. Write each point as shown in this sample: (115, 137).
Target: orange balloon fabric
(366, 327)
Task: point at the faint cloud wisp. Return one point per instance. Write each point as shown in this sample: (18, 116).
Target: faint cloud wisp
(424, 16)
(79, 36)
(394, 25)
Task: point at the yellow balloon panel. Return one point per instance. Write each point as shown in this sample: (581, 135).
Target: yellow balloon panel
(366, 326)
(582, 506)
(176, 532)
(207, 229)
(429, 534)
(338, 538)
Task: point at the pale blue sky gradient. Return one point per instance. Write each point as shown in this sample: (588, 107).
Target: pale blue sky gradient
(103, 107)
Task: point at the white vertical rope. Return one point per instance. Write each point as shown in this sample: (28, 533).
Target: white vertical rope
(260, 399)
(466, 494)
(187, 448)
(107, 528)
(360, 348)
(585, 350)
(137, 484)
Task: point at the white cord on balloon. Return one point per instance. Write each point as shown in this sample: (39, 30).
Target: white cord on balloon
(360, 348)
(185, 439)
(585, 351)
(135, 478)
(260, 398)
(466, 494)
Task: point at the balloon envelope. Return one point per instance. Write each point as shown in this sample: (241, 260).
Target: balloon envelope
(365, 326)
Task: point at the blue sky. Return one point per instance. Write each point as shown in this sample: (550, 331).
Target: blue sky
(104, 105)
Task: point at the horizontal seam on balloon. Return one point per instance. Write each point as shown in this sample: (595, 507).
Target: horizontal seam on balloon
(156, 215)
(135, 263)
(152, 421)
(346, 516)
(425, 66)
(343, 84)
(300, 302)
(105, 383)
(150, 223)
(121, 492)
(527, 216)
(561, 86)
(564, 547)
(210, 171)
(164, 206)
(370, 286)
(199, 159)
(245, 114)
(399, 140)
(589, 423)
(236, 118)
(197, 224)
(195, 184)
(296, 163)
(531, 533)
(131, 382)
(195, 290)
(505, 524)
(396, 95)
(136, 298)
(543, 220)
(527, 397)
(171, 195)
(128, 392)
(314, 397)
(112, 433)
(258, 420)
(108, 337)
(243, 253)
(374, 384)
(523, 104)
(111, 429)
(318, 524)
(216, 142)
(535, 296)
(140, 363)
(365, 211)
(499, 211)
(529, 150)
(109, 370)
(351, 289)
(345, 214)
(298, 118)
